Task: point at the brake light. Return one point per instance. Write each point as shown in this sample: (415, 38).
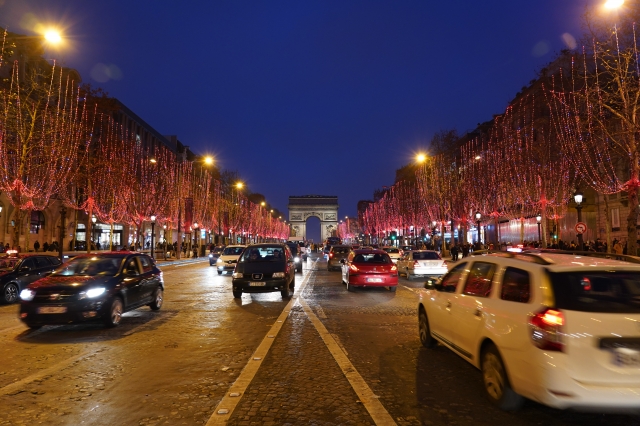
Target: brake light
(353, 267)
(394, 268)
(330, 254)
(416, 263)
(546, 330)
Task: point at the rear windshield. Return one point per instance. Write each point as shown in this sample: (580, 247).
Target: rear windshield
(340, 250)
(372, 258)
(229, 251)
(605, 292)
(426, 255)
(392, 250)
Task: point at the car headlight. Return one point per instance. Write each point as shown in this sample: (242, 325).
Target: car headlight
(92, 293)
(27, 295)
(219, 261)
(296, 259)
(237, 275)
(278, 275)
(210, 255)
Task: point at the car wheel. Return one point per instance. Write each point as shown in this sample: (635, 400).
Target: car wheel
(114, 314)
(299, 269)
(349, 286)
(10, 294)
(408, 275)
(284, 292)
(424, 330)
(496, 382)
(158, 297)
(219, 272)
(237, 293)
(393, 289)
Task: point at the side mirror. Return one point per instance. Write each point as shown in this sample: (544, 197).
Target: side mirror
(433, 284)
(343, 261)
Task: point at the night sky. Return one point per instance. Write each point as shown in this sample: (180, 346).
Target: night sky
(307, 97)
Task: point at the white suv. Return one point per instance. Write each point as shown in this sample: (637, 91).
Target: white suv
(560, 329)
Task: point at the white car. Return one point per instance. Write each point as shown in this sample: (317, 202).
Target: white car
(421, 263)
(228, 259)
(394, 253)
(560, 329)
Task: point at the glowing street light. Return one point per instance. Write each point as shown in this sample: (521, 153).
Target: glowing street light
(52, 36)
(421, 158)
(613, 4)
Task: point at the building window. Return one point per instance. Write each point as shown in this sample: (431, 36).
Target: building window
(37, 222)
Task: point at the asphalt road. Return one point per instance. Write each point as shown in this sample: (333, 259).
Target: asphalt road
(328, 356)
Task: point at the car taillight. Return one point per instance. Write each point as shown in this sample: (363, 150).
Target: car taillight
(394, 268)
(416, 263)
(330, 254)
(353, 268)
(546, 330)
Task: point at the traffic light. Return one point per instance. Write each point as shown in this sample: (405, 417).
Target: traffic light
(394, 235)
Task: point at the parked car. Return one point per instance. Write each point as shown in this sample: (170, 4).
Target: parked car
(294, 247)
(369, 268)
(394, 253)
(336, 254)
(421, 263)
(93, 287)
(228, 259)
(560, 329)
(19, 270)
(265, 268)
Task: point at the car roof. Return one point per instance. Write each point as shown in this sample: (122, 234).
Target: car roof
(559, 261)
(369, 251)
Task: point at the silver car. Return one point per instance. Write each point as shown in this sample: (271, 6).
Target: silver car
(336, 254)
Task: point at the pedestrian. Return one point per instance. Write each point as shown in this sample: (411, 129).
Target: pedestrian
(454, 252)
(36, 246)
(45, 246)
(465, 250)
(617, 247)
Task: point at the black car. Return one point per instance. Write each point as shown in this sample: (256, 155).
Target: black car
(264, 268)
(297, 255)
(16, 272)
(93, 287)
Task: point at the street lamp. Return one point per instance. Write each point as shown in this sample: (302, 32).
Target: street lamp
(539, 221)
(94, 219)
(478, 217)
(153, 227)
(195, 238)
(578, 197)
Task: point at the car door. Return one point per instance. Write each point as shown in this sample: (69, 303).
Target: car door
(439, 304)
(468, 309)
(402, 262)
(148, 280)
(45, 266)
(132, 282)
(28, 272)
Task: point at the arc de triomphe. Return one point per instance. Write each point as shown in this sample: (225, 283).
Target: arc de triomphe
(324, 207)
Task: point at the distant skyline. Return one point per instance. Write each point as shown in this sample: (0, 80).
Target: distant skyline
(312, 97)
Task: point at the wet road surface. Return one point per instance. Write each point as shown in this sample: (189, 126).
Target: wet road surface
(336, 357)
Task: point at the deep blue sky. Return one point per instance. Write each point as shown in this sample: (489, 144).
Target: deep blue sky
(307, 97)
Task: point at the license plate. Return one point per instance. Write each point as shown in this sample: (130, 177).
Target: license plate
(624, 357)
(257, 284)
(374, 280)
(52, 310)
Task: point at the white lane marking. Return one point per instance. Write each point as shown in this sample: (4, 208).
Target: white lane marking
(370, 401)
(225, 408)
(413, 290)
(15, 386)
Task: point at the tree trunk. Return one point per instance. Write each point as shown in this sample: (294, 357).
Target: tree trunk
(15, 239)
(632, 220)
(607, 225)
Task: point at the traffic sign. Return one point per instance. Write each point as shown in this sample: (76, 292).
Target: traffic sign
(581, 227)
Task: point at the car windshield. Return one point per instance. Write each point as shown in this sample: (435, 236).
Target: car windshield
(90, 266)
(264, 254)
(232, 251)
(377, 258)
(426, 255)
(391, 250)
(603, 292)
(9, 263)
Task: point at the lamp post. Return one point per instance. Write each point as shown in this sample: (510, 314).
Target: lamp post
(195, 238)
(94, 219)
(153, 228)
(478, 217)
(577, 197)
(539, 222)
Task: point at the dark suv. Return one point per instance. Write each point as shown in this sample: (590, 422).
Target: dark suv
(18, 271)
(336, 254)
(264, 268)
